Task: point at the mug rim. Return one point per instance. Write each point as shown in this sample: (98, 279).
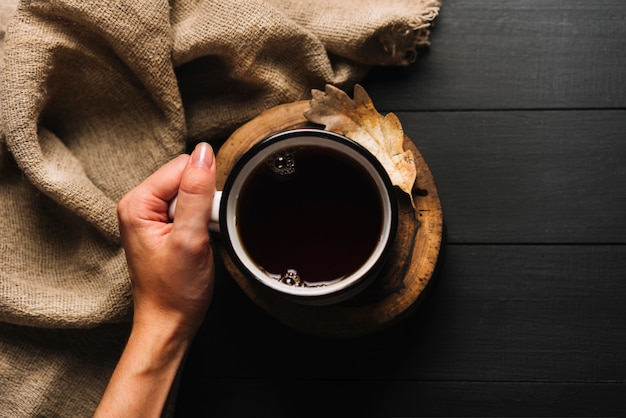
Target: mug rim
(344, 287)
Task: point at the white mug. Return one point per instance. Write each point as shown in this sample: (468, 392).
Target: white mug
(307, 213)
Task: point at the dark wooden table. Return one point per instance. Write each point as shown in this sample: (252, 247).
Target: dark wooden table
(520, 110)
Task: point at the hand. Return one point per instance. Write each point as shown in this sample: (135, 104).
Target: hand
(171, 264)
(172, 272)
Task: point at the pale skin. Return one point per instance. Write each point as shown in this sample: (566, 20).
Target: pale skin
(172, 274)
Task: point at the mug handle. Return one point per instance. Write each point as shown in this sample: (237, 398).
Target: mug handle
(214, 223)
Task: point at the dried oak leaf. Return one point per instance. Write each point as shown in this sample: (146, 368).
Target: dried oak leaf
(358, 120)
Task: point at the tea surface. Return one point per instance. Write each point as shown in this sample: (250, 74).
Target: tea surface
(313, 211)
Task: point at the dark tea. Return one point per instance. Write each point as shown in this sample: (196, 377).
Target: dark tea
(309, 216)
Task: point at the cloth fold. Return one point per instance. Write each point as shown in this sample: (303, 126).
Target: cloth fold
(94, 96)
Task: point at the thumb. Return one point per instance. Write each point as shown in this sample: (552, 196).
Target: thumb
(196, 190)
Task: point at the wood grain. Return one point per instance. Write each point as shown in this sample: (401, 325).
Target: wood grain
(494, 313)
(519, 109)
(527, 176)
(511, 54)
(375, 398)
(533, 329)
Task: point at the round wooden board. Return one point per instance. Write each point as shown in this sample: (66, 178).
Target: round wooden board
(395, 292)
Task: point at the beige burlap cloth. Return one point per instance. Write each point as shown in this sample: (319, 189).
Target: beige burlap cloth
(94, 96)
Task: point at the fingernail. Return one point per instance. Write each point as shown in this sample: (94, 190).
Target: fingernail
(202, 156)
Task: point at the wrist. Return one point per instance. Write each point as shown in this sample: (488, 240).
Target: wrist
(165, 324)
(160, 341)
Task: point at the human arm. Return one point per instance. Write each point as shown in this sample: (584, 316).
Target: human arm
(172, 273)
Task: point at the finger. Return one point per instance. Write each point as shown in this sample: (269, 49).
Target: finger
(196, 191)
(163, 183)
(149, 199)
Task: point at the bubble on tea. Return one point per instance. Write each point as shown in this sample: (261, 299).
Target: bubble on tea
(282, 163)
(291, 278)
